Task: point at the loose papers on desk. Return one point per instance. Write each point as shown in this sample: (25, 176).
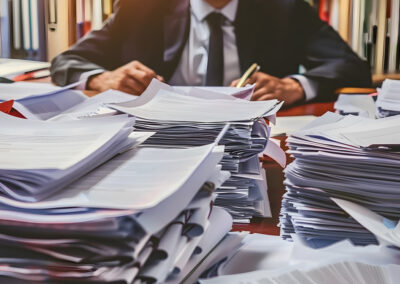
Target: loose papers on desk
(183, 120)
(286, 125)
(269, 259)
(388, 102)
(361, 105)
(94, 106)
(215, 92)
(155, 237)
(40, 100)
(350, 158)
(12, 67)
(38, 158)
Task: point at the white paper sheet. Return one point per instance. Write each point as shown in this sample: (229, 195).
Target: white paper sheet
(37, 145)
(157, 103)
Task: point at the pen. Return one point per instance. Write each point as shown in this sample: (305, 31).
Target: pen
(252, 69)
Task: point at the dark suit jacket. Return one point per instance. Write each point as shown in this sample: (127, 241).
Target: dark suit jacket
(279, 35)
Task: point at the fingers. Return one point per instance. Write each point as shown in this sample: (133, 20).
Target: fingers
(264, 97)
(261, 80)
(143, 78)
(269, 88)
(263, 94)
(141, 73)
(234, 83)
(160, 78)
(130, 86)
(140, 66)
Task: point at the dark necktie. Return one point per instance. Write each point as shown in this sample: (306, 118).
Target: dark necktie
(215, 65)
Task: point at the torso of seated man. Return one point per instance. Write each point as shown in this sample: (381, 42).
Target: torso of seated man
(134, 77)
(174, 40)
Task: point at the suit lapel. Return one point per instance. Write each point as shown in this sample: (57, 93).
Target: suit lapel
(176, 27)
(243, 26)
(255, 33)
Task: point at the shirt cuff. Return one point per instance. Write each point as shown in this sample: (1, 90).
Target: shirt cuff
(309, 86)
(85, 76)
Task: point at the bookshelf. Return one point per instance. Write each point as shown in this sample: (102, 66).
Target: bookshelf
(41, 29)
(371, 28)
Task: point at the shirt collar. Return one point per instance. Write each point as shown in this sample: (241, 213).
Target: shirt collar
(201, 9)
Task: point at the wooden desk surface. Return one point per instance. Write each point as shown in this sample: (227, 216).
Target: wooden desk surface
(275, 176)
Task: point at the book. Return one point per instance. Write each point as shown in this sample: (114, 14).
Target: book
(381, 37)
(60, 32)
(394, 36)
(5, 31)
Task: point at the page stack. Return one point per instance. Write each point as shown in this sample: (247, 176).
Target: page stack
(350, 158)
(85, 204)
(184, 120)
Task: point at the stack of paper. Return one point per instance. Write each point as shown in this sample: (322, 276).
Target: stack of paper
(387, 231)
(95, 106)
(360, 105)
(145, 215)
(388, 102)
(269, 259)
(182, 120)
(216, 92)
(352, 158)
(41, 101)
(12, 67)
(39, 158)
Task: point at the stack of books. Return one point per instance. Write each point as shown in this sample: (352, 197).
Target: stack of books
(351, 158)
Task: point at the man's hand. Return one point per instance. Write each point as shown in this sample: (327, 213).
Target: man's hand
(268, 87)
(132, 78)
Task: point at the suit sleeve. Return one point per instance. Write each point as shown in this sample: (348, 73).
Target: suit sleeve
(95, 51)
(329, 61)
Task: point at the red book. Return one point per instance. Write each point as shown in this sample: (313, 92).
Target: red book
(324, 10)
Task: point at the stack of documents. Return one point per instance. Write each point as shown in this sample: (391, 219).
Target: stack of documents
(39, 158)
(40, 101)
(183, 120)
(95, 106)
(346, 157)
(388, 102)
(387, 231)
(360, 105)
(145, 215)
(269, 259)
(12, 67)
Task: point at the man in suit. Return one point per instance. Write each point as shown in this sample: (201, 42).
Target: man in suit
(212, 42)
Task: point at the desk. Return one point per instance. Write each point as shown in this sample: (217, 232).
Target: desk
(275, 175)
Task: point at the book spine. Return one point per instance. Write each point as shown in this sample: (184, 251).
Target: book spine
(394, 35)
(381, 37)
(5, 38)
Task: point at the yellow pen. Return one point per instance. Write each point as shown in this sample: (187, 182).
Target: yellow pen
(252, 69)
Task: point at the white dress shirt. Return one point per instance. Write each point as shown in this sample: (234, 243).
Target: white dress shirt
(192, 68)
